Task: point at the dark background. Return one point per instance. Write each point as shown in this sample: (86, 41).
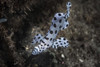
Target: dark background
(26, 18)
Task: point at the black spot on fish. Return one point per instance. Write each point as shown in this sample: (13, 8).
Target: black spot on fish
(64, 42)
(37, 34)
(64, 39)
(38, 37)
(50, 39)
(56, 32)
(54, 25)
(55, 18)
(60, 21)
(60, 27)
(59, 14)
(46, 38)
(51, 32)
(67, 25)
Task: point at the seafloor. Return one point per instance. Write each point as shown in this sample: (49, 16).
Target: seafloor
(26, 18)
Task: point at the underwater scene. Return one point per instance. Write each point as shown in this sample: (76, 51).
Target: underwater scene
(49, 33)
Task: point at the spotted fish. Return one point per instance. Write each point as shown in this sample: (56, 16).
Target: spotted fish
(59, 22)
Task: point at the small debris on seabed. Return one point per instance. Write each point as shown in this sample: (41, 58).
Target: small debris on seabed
(3, 20)
(81, 60)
